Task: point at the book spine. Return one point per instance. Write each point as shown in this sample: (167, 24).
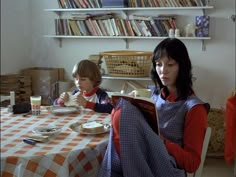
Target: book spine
(129, 28)
(114, 27)
(135, 28)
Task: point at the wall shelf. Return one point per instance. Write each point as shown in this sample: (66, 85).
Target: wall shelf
(126, 10)
(125, 38)
(59, 11)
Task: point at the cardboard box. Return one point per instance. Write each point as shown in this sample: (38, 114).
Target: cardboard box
(43, 81)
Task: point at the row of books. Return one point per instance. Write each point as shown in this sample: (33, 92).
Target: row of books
(165, 3)
(128, 3)
(137, 26)
(69, 4)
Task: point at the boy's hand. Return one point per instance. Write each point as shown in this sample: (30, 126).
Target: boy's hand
(64, 97)
(81, 100)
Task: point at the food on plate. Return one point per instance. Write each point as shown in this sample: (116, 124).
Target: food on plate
(47, 130)
(92, 127)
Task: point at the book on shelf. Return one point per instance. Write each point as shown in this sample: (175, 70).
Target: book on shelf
(83, 3)
(62, 3)
(83, 28)
(97, 28)
(135, 28)
(78, 5)
(144, 28)
(114, 26)
(155, 27)
(202, 26)
(124, 27)
(90, 27)
(114, 3)
(102, 27)
(151, 28)
(74, 28)
(145, 105)
(199, 3)
(72, 4)
(129, 28)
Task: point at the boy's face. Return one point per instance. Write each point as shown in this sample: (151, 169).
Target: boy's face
(83, 83)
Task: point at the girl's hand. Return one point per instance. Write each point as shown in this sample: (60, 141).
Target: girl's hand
(64, 97)
(81, 100)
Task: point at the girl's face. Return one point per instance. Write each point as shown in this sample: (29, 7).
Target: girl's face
(167, 69)
(83, 83)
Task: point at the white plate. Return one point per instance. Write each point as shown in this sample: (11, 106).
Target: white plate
(63, 110)
(47, 130)
(77, 128)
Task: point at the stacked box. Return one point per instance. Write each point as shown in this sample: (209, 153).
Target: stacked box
(44, 81)
(202, 25)
(20, 84)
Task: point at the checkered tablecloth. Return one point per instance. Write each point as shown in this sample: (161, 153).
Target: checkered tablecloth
(66, 154)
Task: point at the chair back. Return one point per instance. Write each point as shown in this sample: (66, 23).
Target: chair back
(10, 97)
(198, 172)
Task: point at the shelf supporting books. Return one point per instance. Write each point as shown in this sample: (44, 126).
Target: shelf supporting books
(122, 27)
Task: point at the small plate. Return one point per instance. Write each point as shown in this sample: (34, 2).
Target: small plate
(77, 128)
(47, 130)
(63, 110)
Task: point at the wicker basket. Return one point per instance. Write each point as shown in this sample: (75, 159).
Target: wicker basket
(126, 63)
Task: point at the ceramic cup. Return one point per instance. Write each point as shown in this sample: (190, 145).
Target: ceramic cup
(142, 93)
(35, 104)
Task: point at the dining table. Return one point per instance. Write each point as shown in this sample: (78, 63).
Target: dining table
(68, 153)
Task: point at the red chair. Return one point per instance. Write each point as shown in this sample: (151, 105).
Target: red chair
(230, 132)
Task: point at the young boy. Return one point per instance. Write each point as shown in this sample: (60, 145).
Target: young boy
(87, 79)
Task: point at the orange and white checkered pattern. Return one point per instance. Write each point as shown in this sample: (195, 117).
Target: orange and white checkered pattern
(67, 154)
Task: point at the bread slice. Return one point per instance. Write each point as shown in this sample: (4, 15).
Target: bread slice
(71, 101)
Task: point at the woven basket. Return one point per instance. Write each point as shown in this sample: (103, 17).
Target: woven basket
(216, 120)
(126, 63)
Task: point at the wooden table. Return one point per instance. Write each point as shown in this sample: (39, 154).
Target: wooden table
(67, 154)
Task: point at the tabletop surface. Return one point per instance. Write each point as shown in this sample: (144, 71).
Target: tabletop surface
(68, 153)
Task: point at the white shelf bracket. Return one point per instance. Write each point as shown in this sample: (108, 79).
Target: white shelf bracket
(60, 42)
(59, 14)
(203, 45)
(126, 43)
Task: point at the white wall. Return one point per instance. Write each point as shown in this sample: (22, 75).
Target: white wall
(214, 68)
(16, 35)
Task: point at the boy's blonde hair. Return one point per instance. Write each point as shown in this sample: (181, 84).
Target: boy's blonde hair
(87, 68)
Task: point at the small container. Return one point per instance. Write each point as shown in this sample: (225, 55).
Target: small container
(171, 33)
(177, 32)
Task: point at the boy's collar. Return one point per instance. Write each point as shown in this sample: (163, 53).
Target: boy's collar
(87, 94)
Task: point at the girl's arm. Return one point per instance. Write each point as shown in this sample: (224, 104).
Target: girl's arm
(189, 157)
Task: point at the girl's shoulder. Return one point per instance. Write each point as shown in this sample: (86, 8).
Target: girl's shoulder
(194, 100)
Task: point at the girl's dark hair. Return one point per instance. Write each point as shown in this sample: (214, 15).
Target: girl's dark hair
(175, 49)
(87, 68)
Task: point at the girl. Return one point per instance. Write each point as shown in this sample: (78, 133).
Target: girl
(138, 151)
(87, 78)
